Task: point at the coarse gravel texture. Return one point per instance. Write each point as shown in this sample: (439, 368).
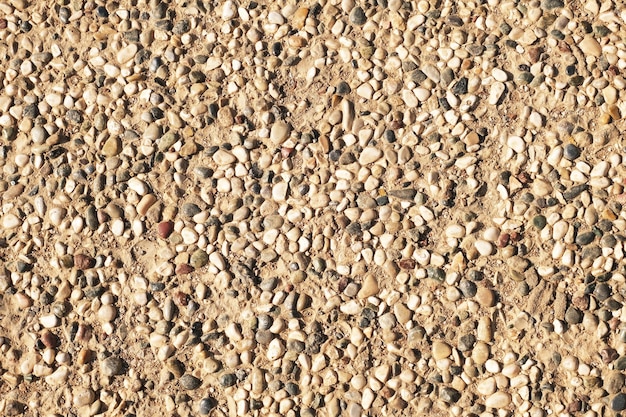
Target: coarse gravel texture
(300, 208)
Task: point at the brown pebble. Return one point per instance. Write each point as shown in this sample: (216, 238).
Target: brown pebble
(165, 229)
(503, 240)
(50, 340)
(83, 262)
(84, 356)
(486, 297)
(183, 269)
(407, 263)
(181, 298)
(608, 355)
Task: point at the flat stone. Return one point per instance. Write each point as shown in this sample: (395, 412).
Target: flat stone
(190, 382)
(449, 395)
(112, 366)
(369, 287)
(279, 132)
(498, 400)
(485, 297)
(222, 157)
(369, 155)
(590, 46)
(127, 53)
(441, 350)
(357, 16)
(112, 146)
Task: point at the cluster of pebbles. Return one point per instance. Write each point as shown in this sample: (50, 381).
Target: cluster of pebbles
(284, 208)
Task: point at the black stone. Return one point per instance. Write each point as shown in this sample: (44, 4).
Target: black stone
(585, 238)
(357, 16)
(206, 405)
(343, 88)
(190, 382)
(618, 403)
(552, 4)
(417, 76)
(102, 12)
(460, 87)
(466, 342)
(449, 395)
(573, 315)
(228, 380)
(181, 27)
(574, 191)
(571, 152)
(190, 209)
(602, 291)
(467, 288)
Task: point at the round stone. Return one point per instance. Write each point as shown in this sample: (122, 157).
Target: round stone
(571, 152)
(112, 366)
(190, 382)
(357, 16)
(228, 380)
(618, 403)
(206, 405)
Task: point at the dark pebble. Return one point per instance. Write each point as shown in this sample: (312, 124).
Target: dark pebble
(602, 291)
(228, 380)
(467, 288)
(417, 76)
(190, 382)
(190, 210)
(573, 315)
(539, 221)
(620, 364)
(460, 87)
(466, 342)
(574, 192)
(585, 238)
(206, 405)
(102, 12)
(571, 152)
(343, 88)
(64, 14)
(31, 111)
(181, 27)
(112, 366)
(449, 395)
(357, 16)
(618, 403)
(552, 4)
(591, 252)
(406, 194)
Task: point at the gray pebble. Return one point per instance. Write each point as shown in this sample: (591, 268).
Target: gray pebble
(190, 382)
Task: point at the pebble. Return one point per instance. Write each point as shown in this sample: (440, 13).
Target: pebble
(449, 395)
(190, 382)
(357, 16)
(498, 400)
(279, 132)
(112, 366)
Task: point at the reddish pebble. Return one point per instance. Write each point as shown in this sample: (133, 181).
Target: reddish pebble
(515, 237)
(181, 299)
(183, 269)
(83, 261)
(165, 229)
(50, 340)
(407, 263)
(503, 240)
(286, 152)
